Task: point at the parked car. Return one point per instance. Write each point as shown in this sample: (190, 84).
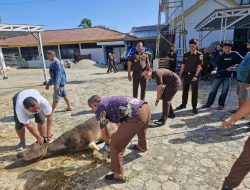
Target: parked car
(124, 59)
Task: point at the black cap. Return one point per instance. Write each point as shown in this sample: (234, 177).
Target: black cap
(193, 41)
(227, 43)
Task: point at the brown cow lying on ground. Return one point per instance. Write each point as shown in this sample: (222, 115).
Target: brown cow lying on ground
(82, 137)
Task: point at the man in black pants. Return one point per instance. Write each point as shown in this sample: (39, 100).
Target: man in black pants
(190, 69)
(168, 84)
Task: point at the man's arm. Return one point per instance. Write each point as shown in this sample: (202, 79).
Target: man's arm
(49, 125)
(159, 92)
(243, 111)
(129, 70)
(57, 75)
(105, 135)
(35, 133)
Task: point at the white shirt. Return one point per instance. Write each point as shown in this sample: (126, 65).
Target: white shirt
(23, 114)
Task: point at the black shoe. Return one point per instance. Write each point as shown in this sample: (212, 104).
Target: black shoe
(225, 187)
(161, 121)
(171, 115)
(220, 108)
(205, 106)
(195, 111)
(181, 107)
(111, 178)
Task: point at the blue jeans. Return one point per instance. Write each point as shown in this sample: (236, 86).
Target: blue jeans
(216, 85)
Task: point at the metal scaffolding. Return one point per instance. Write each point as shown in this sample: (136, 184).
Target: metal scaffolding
(13, 30)
(167, 25)
(224, 19)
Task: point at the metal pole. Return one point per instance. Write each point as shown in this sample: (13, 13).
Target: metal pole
(159, 32)
(221, 29)
(225, 29)
(59, 52)
(42, 57)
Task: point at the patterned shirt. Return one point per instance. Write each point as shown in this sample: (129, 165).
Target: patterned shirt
(117, 109)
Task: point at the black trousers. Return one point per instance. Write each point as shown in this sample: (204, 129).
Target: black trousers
(138, 79)
(187, 81)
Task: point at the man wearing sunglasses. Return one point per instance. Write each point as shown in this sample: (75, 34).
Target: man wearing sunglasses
(190, 69)
(30, 103)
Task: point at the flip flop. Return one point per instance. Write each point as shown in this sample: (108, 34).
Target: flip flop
(111, 178)
(69, 109)
(135, 147)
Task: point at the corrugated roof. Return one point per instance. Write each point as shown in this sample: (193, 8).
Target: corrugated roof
(67, 36)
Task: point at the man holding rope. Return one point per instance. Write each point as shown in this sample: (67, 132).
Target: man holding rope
(225, 60)
(242, 165)
(168, 84)
(242, 72)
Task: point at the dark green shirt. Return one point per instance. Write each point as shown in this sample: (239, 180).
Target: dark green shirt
(191, 61)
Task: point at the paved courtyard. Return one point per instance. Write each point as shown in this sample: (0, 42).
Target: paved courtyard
(190, 152)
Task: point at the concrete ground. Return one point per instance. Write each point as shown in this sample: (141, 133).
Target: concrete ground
(190, 153)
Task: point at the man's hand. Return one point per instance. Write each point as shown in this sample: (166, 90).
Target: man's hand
(129, 77)
(228, 123)
(214, 72)
(247, 86)
(47, 86)
(194, 79)
(156, 103)
(49, 135)
(40, 140)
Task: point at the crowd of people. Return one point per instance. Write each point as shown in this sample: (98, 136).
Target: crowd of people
(132, 113)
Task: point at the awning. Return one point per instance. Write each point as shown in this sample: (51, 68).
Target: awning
(223, 19)
(13, 30)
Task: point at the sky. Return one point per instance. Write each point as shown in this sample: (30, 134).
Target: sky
(119, 15)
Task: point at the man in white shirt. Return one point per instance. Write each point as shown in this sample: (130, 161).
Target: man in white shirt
(30, 103)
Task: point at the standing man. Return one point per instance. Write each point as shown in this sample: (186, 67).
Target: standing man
(206, 66)
(168, 84)
(225, 60)
(2, 66)
(132, 115)
(190, 70)
(172, 57)
(242, 165)
(136, 62)
(111, 63)
(58, 79)
(30, 103)
(242, 73)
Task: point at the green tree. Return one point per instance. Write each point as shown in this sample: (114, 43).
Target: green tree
(85, 23)
(102, 26)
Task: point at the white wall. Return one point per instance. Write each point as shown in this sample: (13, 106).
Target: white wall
(200, 13)
(97, 54)
(37, 64)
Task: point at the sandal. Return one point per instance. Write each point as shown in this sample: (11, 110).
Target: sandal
(69, 109)
(136, 148)
(111, 178)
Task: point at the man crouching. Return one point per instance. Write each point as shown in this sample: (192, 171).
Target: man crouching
(30, 103)
(133, 116)
(168, 84)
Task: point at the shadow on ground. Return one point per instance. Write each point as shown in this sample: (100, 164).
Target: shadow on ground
(209, 135)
